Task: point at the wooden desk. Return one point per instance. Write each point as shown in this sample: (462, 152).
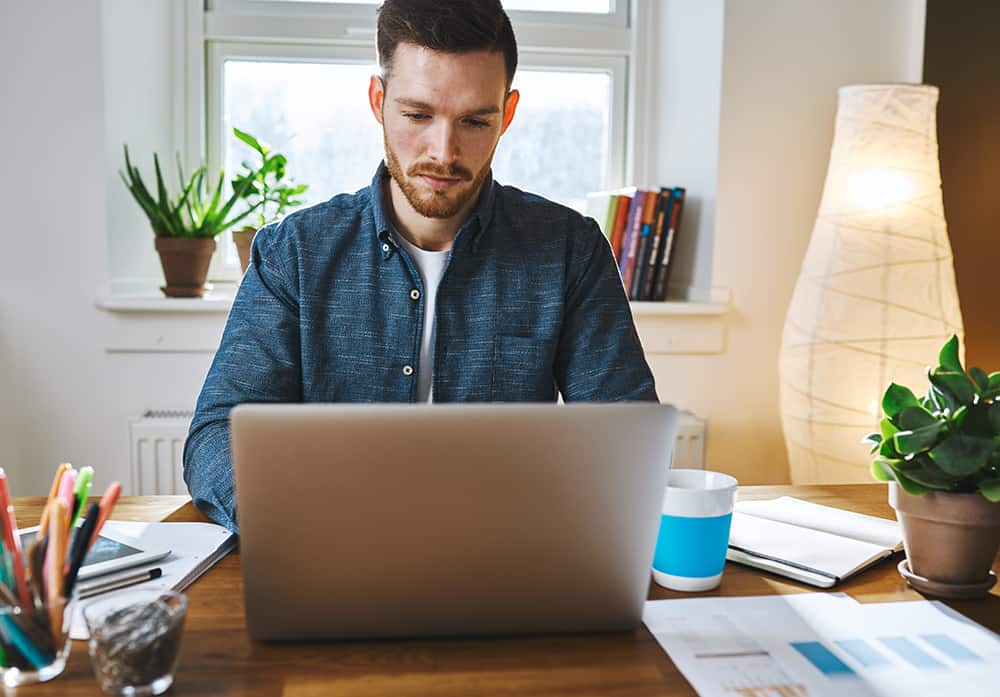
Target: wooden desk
(219, 659)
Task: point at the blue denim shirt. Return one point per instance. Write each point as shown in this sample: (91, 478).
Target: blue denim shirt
(530, 303)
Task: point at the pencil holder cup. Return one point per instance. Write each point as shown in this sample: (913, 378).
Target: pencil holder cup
(34, 641)
(135, 639)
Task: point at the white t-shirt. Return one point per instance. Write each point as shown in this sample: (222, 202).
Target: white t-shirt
(431, 267)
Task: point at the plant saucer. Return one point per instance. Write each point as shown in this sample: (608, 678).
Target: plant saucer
(941, 589)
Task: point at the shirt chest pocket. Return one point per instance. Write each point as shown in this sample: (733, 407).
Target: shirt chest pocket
(523, 369)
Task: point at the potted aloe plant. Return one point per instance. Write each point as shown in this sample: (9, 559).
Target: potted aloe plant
(266, 190)
(185, 226)
(941, 456)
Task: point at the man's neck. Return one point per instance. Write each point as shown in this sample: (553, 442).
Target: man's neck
(431, 234)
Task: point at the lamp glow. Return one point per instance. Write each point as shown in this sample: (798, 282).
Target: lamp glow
(876, 296)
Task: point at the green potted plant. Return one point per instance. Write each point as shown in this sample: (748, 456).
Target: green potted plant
(267, 191)
(941, 456)
(185, 226)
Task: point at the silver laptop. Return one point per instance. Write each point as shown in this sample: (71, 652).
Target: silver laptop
(363, 521)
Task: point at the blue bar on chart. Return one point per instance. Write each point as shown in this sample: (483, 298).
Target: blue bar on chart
(951, 648)
(863, 652)
(821, 657)
(910, 652)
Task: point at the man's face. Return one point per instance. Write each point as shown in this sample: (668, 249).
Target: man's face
(442, 115)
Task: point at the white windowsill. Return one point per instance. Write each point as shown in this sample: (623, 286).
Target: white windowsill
(149, 322)
(146, 299)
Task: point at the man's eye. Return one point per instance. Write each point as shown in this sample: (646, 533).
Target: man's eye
(477, 123)
(412, 116)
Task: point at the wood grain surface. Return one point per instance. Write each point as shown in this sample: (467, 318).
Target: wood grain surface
(218, 658)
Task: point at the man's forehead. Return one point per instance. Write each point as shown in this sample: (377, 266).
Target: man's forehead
(421, 74)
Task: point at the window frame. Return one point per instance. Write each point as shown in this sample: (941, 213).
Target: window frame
(344, 33)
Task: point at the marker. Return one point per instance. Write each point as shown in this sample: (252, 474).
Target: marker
(81, 491)
(12, 542)
(80, 545)
(66, 495)
(43, 524)
(97, 588)
(107, 504)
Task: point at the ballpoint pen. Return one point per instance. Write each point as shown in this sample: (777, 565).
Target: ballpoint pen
(97, 588)
(81, 543)
(43, 525)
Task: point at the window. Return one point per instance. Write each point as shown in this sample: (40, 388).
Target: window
(295, 74)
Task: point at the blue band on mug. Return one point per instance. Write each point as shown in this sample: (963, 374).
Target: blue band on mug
(693, 547)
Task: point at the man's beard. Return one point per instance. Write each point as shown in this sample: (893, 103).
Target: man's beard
(428, 202)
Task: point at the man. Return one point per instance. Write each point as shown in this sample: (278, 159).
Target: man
(433, 284)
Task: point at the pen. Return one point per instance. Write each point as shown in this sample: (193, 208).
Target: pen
(43, 525)
(80, 545)
(12, 542)
(106, 586)
(108, 502)
(84, 479)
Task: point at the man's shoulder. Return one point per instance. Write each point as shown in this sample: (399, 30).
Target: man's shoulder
(534, 213)
(329, 220)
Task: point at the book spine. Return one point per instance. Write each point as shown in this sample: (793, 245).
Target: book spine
(662, 283)
(634, 211)
(609, 219)
(657, 245)
(642, 255)
(628, 267)
(624, 205)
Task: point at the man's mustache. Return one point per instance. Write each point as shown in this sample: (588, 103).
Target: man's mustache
(453, 171)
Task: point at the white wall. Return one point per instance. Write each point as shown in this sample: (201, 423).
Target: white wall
(62, 396)
(753, 130)
(782, 63)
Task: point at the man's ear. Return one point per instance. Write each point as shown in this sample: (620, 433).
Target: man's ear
(376, 96)
(509, 107)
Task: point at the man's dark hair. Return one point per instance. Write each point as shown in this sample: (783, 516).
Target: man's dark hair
(450, 26)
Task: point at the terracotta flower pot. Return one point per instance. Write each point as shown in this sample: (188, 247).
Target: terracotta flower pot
(951, 541)
(244, 239)
(185, 263)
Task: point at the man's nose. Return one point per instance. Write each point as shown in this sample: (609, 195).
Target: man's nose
(443, 143)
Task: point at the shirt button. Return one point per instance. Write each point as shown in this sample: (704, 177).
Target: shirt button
(385, 247)
(407, 370)
(414, 294)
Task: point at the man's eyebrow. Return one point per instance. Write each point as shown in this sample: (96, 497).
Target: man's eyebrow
(424, 106)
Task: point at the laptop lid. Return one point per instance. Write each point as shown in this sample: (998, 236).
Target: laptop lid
(447, 519)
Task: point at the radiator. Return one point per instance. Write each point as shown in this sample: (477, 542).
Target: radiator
(157, 439)
(689, 446)
(158, 446)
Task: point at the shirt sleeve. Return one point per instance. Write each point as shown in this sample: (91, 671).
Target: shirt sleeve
(599, 357)
(257, 361)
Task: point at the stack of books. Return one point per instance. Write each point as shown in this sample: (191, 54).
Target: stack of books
(641, 226)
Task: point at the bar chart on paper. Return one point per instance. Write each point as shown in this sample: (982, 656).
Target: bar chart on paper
(818, 644)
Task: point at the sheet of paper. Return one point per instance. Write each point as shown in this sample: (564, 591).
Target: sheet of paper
(818, 644)
(787, 509)
(194, 548)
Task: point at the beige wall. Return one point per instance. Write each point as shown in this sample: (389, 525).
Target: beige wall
(782, 63)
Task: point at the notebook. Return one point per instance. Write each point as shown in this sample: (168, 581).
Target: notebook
(815, 544)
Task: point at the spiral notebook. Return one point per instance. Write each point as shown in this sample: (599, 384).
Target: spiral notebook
(815, 544)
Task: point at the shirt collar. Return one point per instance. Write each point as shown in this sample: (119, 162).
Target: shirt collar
(481, 214)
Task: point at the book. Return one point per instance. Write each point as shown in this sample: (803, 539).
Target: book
(632, 231)
(662, 278)
(656, 245)
(598, 204)
(815, 544)
(618, 229)
(642, 252)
